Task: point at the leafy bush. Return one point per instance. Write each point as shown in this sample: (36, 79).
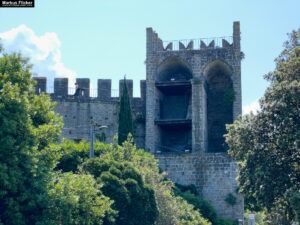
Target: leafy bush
(134, 201)
(131, 178)
(189, 193)
(75, 199)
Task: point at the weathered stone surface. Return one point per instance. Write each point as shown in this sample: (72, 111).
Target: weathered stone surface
(215, 95)
(183, 103)
(213, 174)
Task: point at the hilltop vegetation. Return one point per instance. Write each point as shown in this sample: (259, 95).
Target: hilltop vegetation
(47, 181)
(266, 145)
(44, 181)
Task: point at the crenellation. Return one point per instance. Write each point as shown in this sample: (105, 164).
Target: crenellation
(60, 87)
(143, 90)
(63, 91)
(169, 47)
(190, 45)
(83, 86)
(202, 45)
(149, 38)
(214, 83)
(104, 89)
(212, 44)
(129, 84)
(225, 44)
(181, 46)
(192, 89)
(41, 84)
(160, 45)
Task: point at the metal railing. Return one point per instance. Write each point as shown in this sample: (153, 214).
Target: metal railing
(93, 91)
(197, 44)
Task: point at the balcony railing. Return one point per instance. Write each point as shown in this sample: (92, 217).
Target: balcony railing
(198, 44)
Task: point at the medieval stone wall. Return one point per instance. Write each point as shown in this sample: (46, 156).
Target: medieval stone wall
(215, 69)
(80, 112)
(213, 174)
(174, 118)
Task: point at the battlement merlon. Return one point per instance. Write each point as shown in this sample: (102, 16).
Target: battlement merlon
(155, 44)
(84, 84)
(236, 36)
(41, 84)
(104, 89)
(129, 87)
(62, 89)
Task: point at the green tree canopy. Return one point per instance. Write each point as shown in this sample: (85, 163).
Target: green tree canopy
(134, 201)
(129, 174)
(28, 125)
(30, 191)
(267, 144)
(75, 199)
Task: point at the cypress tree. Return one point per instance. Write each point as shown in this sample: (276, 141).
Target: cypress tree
(125, 115)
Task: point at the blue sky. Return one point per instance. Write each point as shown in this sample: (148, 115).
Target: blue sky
(107, 39)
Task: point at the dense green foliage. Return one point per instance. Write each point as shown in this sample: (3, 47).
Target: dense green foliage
(44, 182)
(134, 201)
(189, 193)
(75, 199)
(27, 126)
(31, 192)
(266, 145)
(172, 209)
(72, 155)
(130, 176)
(125, 115)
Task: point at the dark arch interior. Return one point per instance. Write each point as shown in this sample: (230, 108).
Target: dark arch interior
(220, 98)
(174, 70)
(174, 114)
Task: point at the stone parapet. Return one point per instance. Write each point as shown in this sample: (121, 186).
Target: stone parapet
(63, 90)
(192, 90)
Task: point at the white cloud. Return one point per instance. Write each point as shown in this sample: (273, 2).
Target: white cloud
(43, 51)
(252, 107)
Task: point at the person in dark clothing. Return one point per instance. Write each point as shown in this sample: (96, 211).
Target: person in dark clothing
(77, 90)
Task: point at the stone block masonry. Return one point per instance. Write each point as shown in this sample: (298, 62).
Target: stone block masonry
(80, 111)
(213, 174)
(192, 90)
(193, 151)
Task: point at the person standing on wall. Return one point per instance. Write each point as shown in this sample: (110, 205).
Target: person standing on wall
(77, 90)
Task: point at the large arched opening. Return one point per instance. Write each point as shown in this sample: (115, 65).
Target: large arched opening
(173, 115)
(219, 99)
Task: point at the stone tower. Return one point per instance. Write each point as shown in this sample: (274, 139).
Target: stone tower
(193, 89)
